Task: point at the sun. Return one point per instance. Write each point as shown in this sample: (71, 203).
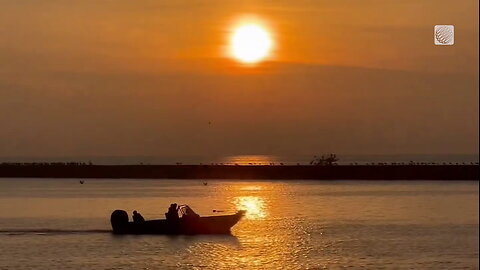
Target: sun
(250, 43)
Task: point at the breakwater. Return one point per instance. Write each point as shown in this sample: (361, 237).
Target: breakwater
(287, 172)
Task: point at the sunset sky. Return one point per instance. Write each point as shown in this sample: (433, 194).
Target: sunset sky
(157, 77)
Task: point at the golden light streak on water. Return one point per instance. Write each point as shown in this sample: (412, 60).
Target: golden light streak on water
(255, 206)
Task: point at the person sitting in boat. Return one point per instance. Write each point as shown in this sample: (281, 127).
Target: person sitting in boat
(137, 218)
(172, 213)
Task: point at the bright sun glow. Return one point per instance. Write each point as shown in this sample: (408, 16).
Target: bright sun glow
(250, 43)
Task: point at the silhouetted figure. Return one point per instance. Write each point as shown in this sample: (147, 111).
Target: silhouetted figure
(82, 182)
(137, 218)
(205, 183)
(172, 213)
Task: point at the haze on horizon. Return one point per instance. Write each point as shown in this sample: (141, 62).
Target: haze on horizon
(150, 78)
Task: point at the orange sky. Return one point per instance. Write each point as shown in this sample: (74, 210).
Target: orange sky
(144, 78)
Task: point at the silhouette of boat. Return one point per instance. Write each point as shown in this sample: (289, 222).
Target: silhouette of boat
(183, 225)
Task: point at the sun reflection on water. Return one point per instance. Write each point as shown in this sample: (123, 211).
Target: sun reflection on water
(251, 188)
(250, 160)
(255, 206)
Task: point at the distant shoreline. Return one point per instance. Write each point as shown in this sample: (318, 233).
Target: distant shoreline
(273, 172)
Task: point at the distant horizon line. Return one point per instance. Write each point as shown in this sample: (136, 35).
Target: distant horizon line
(238, 155)
(246, 159)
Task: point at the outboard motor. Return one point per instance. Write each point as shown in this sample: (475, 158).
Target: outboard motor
(119, 221)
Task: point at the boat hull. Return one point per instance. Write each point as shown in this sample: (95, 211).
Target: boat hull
(201, 225)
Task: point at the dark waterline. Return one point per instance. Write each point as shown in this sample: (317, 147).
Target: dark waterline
(312, 172)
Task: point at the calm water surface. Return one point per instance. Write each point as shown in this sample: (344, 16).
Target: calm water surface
(60, 224)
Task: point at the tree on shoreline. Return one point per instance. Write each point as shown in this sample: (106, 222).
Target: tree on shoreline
(324, 160)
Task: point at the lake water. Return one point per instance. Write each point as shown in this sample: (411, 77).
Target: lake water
(60, 224)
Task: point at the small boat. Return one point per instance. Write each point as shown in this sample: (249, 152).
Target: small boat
(189, 223)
